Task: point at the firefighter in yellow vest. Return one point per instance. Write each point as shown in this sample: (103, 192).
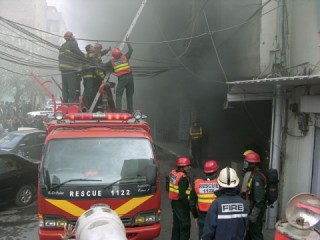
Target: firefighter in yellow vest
(195, 141)
(179, 192)
(119, 64)
(202, 193)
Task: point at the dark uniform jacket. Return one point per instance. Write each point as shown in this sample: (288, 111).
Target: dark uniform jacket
(226, 218)
(256, 189)
(70, 56)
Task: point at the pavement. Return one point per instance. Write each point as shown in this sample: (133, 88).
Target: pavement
(180, 149)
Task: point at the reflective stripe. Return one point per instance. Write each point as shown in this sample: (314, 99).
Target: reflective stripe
(250, 182)
(120, 67)
(64, 51)
(88, 76)
(67, 206)
(196, 133)
(207, 196)
(205, 192)
(130, 205)
(205, 200)
(76, 211)
(174, 185)
(70, 67)
(231, 216)
(173, 188)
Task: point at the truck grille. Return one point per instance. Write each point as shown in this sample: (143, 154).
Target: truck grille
(126, 221)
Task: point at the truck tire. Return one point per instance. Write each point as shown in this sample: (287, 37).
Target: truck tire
(24, 196)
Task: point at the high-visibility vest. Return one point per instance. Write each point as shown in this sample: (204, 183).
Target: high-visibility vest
(174, 178)
(121, 66)
(205, 191)
(196, 133)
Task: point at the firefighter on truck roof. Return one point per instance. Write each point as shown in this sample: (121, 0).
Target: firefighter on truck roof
(119, 64)
(202, 193)
(70, 63)
(179, 192)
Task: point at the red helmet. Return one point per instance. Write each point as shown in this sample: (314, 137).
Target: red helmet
(252, 157)
(116, 53)
(68, 35)
(210, 166)
(183, 161)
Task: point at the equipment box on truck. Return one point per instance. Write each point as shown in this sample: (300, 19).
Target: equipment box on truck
(92, 158)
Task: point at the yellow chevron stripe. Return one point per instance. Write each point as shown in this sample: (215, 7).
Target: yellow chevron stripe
(67, 207)
(77, 211)
(131, 204)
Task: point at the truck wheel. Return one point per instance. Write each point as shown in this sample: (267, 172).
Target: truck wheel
(24, 196)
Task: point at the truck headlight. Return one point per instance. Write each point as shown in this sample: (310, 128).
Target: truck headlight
(146, 218)
(52, 222)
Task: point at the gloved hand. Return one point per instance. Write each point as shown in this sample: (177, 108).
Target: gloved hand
(254, 215)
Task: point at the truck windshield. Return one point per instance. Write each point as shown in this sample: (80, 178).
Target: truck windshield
(103, 159)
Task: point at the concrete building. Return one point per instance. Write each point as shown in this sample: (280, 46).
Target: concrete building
(55, 25)
(289, 58)
(15, 79)
(30, 17)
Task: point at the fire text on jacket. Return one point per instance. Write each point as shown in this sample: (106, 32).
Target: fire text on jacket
(232, 207)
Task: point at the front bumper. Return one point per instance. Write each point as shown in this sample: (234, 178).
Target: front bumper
(133, 233)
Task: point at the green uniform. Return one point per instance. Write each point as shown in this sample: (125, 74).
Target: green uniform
(70, 62)
(194, 209)
(257, 200)
(181, 213)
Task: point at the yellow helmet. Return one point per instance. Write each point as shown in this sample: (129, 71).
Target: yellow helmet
(246, 152)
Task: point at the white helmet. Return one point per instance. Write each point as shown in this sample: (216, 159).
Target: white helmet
(228, 178)
(100, 222)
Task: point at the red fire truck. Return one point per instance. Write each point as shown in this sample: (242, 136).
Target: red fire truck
(92, 158)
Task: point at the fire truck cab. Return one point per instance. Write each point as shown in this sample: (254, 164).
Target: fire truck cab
(99, 158)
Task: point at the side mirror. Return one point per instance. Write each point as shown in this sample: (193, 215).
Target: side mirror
(151, 174)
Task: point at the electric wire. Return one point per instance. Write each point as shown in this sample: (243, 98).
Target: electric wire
(13, 59)
(183, 65)
(28, 33)
(22, 51)
(193, 22)
(141, 72)
(215, 49)
(27, 39)
(150, 42)
(18, 73)
(14, 25)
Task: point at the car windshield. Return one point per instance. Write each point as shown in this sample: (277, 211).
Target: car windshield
(10, 140)
(103, 159)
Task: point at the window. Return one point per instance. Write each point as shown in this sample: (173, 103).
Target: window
(106, 159)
